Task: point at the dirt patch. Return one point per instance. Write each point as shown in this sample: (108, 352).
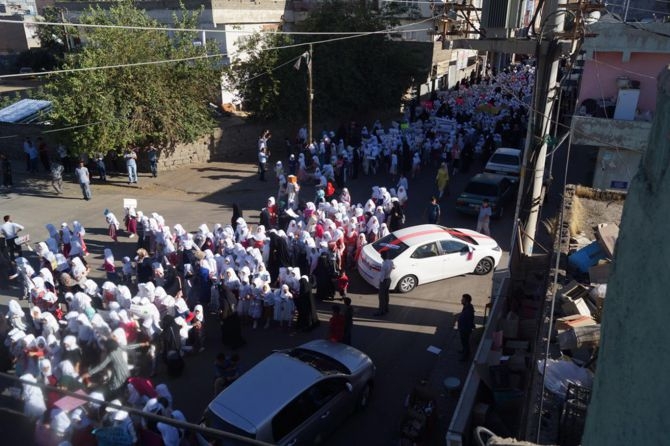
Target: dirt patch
(587, 213)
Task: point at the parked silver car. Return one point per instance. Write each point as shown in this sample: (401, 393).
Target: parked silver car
(294, 397)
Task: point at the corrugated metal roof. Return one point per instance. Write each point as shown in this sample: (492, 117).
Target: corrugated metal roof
(25, 111)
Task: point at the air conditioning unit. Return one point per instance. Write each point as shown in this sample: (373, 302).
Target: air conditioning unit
(500, 18)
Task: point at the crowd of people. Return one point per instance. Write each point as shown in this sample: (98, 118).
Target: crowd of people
(79, 335)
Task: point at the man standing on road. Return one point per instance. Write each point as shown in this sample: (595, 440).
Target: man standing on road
(262, 163)
(384, 284)
(466, 323)
(10, 232)
(484, 218)
(433, 211)
(84, 179)
(27, 145)
(131, 164)
(153, 161)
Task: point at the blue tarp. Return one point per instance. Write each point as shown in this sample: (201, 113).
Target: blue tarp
(25, 111)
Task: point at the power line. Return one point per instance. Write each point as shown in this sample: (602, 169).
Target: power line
(186, 59)
(197, 30)
(205, 56)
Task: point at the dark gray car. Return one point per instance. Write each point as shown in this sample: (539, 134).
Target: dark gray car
(294, 397)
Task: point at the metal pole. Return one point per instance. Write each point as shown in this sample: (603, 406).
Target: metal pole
(625, 13)
(310, 95)
(545, 85)
(67, 35)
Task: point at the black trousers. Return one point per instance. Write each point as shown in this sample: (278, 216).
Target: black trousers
(384, 288)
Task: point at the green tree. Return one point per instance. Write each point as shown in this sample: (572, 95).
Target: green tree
(350, 75)
(53, 37)
(158, 103)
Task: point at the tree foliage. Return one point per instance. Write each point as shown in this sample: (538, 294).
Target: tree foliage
(350, 74)
(53, 37)
(158, 103)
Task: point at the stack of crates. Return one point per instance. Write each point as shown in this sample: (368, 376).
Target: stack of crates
(573, 416)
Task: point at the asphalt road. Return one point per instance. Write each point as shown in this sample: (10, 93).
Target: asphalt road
(397, 343)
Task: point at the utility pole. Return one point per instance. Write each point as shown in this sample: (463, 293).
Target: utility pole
(545, 93)
(67, 35)
(310, 95)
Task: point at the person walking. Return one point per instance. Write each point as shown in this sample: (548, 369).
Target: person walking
(6, 170)
(10, 231)
(131, 165)
(57, 177)
(484, 217)
(442, 180)
(100, 164)
(348, 320)
(336, 325)
(43, 152)
(384, 284)
(433, 211)
(27, 147)
(466, 323)
(84, 180)
(153, 161)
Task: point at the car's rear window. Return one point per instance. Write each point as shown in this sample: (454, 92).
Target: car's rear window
(213, 421)
(323, 363)
(390, 244)
(501, 158)
(486, 189)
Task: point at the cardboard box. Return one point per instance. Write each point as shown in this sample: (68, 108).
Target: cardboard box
(577, 306)
(572, 321)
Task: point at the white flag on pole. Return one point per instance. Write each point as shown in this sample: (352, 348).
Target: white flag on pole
(306, 56)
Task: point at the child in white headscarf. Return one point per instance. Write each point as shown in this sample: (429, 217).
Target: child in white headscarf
(112, 223)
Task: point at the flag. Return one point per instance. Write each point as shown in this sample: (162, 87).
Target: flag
(307, 59)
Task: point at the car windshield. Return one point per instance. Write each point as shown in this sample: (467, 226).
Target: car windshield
(501, 158)
(390, 244)
(462, 237)
(323, 363)
(486, 189)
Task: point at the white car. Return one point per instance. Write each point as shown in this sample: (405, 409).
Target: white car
(506, 162)
(427, 253)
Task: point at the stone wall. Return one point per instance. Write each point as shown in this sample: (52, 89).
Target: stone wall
(235, 139)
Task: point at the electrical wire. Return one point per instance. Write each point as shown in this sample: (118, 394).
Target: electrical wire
(191, 30)
(608, 118)
(199, 57)
(205, 56)
(105, 67)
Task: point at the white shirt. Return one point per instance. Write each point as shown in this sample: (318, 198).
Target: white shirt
(82, 175)
(10, 229)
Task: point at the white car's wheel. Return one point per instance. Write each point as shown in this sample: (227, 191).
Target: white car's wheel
(484, 266)
(407, 284)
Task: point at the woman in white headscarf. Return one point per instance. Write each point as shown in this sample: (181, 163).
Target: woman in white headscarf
(372, 230)
(34, 405)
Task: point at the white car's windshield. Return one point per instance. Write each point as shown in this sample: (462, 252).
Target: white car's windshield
(501, 158)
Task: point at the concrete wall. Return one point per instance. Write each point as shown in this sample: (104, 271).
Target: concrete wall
(602, 71)
(629, 404)
(615, 169)
(631, 135)
(200, 151)
(14, 39)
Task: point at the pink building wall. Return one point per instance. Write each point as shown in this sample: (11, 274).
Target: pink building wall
(602, 71)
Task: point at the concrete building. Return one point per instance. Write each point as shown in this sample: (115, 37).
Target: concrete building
(18, 35)
(617, 97)
(448, 65)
